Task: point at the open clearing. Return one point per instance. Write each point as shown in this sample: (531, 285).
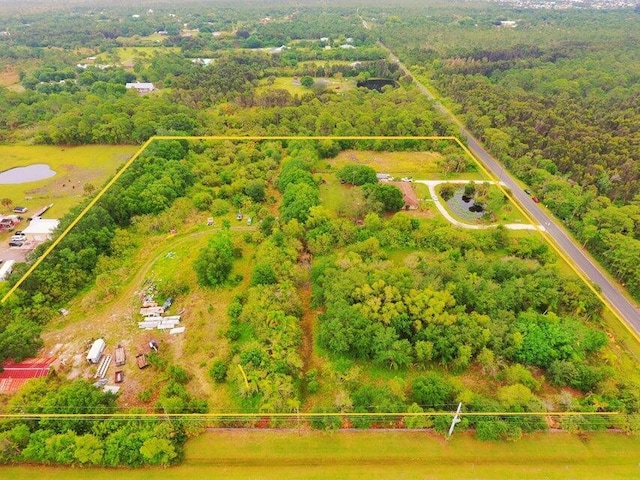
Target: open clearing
(355, 454)
(74, 167)
(287, 83)
(422, 165)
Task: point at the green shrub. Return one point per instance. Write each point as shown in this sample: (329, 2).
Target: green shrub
(218, 371)
(219, 207)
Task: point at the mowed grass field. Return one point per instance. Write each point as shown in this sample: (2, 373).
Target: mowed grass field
(404, 455)
(286, 83)
(419, 165)
(75, 166)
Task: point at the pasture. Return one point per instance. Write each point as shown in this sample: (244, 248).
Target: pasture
(74, 166)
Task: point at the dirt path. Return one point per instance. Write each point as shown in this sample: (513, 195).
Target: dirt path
(307, 323)
(68, 338)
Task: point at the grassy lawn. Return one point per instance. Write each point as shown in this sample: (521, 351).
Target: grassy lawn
(75, 166)
(324, 63)
(129, 54)
(420, 165)
(286, 83)
(332, 193)
(357, 454)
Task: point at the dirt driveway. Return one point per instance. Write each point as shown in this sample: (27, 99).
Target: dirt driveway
(19, 254)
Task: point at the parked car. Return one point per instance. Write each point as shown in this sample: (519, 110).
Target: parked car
(16, 244)
(20, 209)
(535, 199)
(527, 191)
(19, 237)
(406, 179)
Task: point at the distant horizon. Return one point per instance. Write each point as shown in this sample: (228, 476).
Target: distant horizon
(35, 6)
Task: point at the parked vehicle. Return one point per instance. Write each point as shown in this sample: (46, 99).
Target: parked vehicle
(527, 191)
(20, 209)
(535, 199)
(407, 179)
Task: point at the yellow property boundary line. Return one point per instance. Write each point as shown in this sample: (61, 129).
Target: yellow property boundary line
(484, 170)
(170, 137)
(292, 415)
(551, 242)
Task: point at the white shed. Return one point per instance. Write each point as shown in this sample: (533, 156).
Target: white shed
(96, 351)
(41, 229)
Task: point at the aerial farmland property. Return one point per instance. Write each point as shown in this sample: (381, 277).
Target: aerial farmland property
(288, 251)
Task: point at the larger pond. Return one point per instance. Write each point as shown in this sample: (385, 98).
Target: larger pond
(37, 171)
(377, 83)
(465, 207)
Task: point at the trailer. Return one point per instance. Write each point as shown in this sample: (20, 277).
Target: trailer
(120, 356)
(95, 352)
(141, 360)
(6, 268)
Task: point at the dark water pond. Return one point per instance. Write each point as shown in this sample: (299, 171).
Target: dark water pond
(465, 207)
(377, 83)
(37, 171)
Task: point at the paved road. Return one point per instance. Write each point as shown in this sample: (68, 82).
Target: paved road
(624, 307)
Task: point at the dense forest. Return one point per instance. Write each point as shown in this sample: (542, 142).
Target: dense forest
(550, 100)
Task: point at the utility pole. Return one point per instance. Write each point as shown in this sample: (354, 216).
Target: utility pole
(456, 420)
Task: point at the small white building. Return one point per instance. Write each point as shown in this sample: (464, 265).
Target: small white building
(95, 352)
(141, 87)
(6, 268)
(41, 229)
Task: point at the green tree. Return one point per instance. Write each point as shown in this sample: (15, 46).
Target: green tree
(215, 261)
(355, 174)
(20, 340)
(307, 81)
(432, 391)
(202, 200)
(158, 451)
(256, 191)
(389, 196)
(298, 198)
(263, 274)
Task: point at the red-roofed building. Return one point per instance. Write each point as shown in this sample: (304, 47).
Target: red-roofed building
(14, 374)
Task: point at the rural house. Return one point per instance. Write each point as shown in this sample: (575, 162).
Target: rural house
(141, 87)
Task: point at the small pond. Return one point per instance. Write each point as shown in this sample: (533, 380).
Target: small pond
(465, 207)
(37, 171)
(377, 83)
